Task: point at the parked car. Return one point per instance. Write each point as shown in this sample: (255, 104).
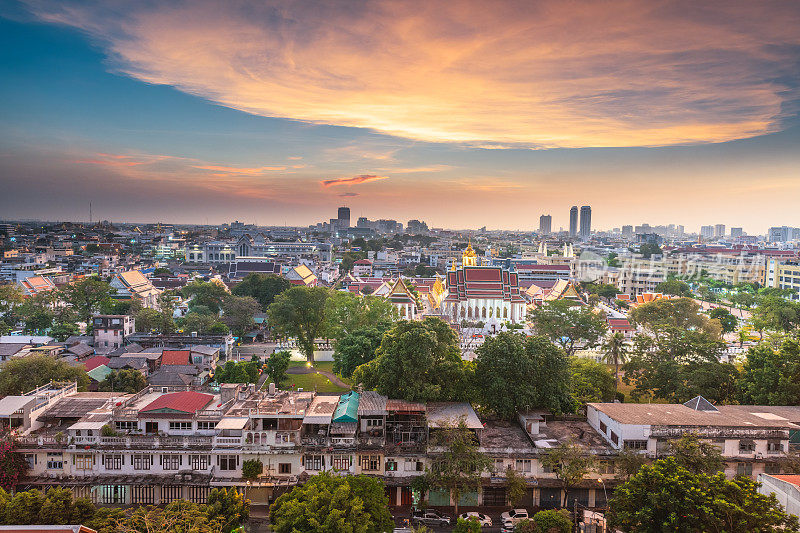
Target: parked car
(484, 520)
(430, 517)
(514, 516)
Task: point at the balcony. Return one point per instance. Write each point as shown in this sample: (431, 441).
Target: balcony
(228, 442)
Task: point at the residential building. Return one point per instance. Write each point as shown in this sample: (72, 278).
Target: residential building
(784, 274)
(736, 233)
(707, 232)
(111, 331)
(586, 222)
(573, 221)
(719, 231)
(545, 224)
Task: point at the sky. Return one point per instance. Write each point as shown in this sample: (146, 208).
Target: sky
(461, 113)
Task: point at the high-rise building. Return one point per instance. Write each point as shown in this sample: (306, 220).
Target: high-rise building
(779, 234)
(706, 232)
(344, 217)
(586, 221)
(627, 231)
(573, 221)
(736, 232)
(719, 230)
(545, 224)
(680, 230)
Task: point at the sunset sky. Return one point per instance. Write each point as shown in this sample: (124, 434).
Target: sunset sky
(460, 113)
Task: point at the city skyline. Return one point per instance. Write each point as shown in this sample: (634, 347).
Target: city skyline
(657, 112)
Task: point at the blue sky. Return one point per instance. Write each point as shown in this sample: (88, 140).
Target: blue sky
(198, 113)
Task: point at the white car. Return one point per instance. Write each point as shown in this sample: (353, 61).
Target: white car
(484, 520)
(514, 515)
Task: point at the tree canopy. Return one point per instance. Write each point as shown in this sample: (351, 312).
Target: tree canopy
(568, 324)
(277, 365)
(771, 377)
(674, 287)
(346, 312)
(264, 288)
(27, 373)
(417, 361)
(590, 381)
(357, 348)
(665, 496)
(127, 380)
(87, 296)
(240, 313)
(333, 504)
(208, 294)
(506, 366)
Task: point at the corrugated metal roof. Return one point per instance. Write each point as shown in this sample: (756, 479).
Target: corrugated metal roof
(347, 410)
(185, 401)
(175, 357)
(93, 362)
(371, 404)
(99, 373)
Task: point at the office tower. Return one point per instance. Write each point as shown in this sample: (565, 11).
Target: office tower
(736, 232)
(573, 221)
(627, 231)
(586, 221)
(545, 224)
(706, 232)
(680, 230)
(779, 234)
(344, 217)
(719, 230)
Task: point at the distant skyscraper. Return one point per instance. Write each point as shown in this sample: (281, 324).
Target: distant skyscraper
(719, 230)
(545, 224)
(586, 221)
(627, 231)
(680, 230)
(707, 232)
(344, 217)
(573, 221)
(736, 232)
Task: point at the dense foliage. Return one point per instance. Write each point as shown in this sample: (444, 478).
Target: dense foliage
(27, 373)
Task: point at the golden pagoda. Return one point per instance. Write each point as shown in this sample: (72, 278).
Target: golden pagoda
(469, 258)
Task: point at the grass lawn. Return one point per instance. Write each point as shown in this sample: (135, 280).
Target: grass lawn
(307, 382)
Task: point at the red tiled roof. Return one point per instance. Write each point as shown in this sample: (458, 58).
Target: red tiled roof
(186, 401)
(175, 357)
(794, 479)
(94, 362)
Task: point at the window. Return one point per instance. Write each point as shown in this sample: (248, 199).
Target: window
(55, 461)
(605, 467)
(774, 447)
(603, 428)
(374, 422)
(171, 462)
(747, 446)
(125, 425)
(744, 469)
(171, 492)
(142, 494)
(206, 426)
(523, 465)
(84, 461)
(342, 462)
(228, 462)
(284, 468)
(313, 462)
(391, 465)
(370, 462)
(199, 462)
(142, 461)
(614, 438)
(281, 438)
(113, 461)
(412, 465)
(199, 494)
(635, 444)
(772, 468)
(180, 426)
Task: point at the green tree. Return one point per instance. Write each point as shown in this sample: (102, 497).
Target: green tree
(61, 331)
(237, 372)
(128, 380)
(277, 365)
(252, 468)
(346, 312)
(357, 348)
(228, 507)
(467, 526)
(649, 249)
(506, 366)
(27, 373)
(665, 496)
(24, 508)
(147, 320)
(776, 313)
(11, 297)
(203, 324)
(666, 318)
(299, 312)
(264, 288)
(697, 456)
(674, 287)
(209, 294)
(627, 463)
(239, 313)
(87, 296)
(333, 504)
(37, 314)
(771, 377)
(547, 521)
(570, 463)
(515, 487)
(590, 381)
(615, 352)
(457, 463)
(58, 507)
(567, 324)
(726, 319)
(417, 361)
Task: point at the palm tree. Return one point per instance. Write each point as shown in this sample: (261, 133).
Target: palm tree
(615, 352)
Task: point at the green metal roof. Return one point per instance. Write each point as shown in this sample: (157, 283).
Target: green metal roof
(347, 409)
(99, 373)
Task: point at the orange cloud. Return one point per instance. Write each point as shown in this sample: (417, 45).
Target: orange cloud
(505, 74)
(225, 171)
(363, 178)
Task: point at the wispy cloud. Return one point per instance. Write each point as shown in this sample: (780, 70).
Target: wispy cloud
(354, 180)
(348, 194)
(531, 74)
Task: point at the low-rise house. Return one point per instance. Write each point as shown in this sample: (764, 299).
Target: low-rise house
(111, 331)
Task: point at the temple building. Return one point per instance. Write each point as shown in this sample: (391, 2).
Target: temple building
(489, 294)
